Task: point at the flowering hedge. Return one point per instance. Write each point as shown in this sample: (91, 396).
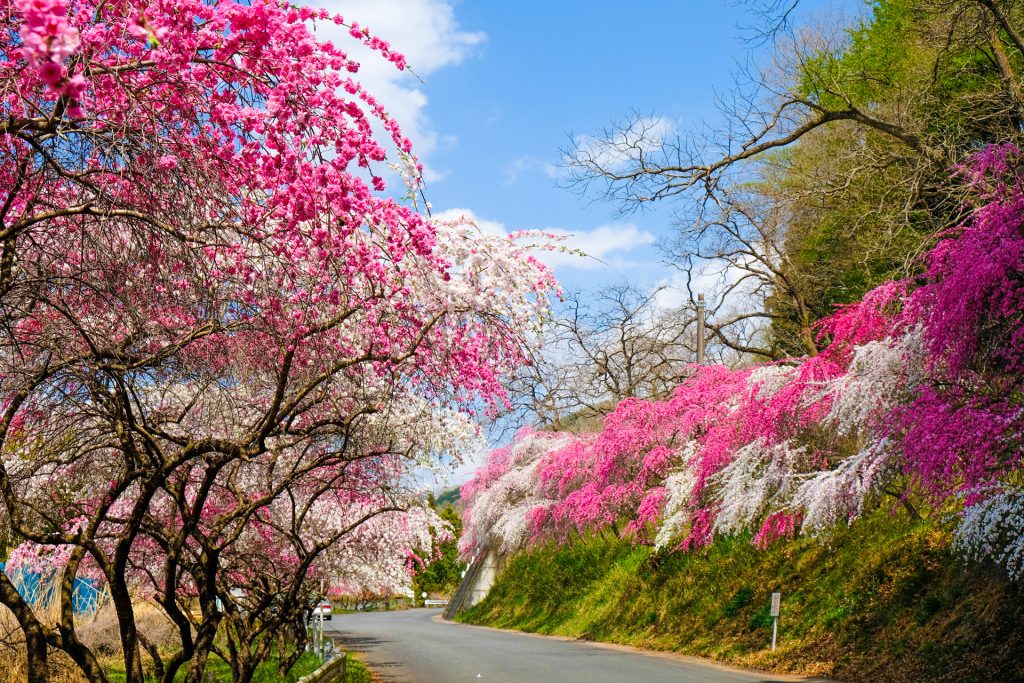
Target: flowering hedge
(917, 395)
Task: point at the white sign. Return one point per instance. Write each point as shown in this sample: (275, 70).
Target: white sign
(776, 600)
(423, 594)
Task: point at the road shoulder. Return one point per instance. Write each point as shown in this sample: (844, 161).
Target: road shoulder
(663, 654)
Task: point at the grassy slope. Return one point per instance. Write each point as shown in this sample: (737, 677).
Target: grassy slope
(883, 600)
(356, 671)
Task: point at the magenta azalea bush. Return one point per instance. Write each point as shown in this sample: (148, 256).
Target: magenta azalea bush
(917, 396)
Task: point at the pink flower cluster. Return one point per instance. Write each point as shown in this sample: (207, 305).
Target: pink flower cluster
(204, 204)
(46, 33)
(48, 39)
(918, 391)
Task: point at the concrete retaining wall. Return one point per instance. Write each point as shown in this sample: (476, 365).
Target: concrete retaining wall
(477, 582)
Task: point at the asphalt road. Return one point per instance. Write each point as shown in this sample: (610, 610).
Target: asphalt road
(412, 646)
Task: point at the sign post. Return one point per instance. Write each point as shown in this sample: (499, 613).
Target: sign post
(776, 600)
(320, 621)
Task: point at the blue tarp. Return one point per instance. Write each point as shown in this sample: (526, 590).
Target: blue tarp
(40, 591)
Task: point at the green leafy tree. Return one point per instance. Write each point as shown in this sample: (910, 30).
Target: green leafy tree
(831, 171)
(441, 575)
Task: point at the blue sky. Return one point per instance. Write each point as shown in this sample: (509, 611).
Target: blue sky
(551, 70)
(505, 85)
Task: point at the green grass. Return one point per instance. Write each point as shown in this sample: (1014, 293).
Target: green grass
(221, 670)
(356, 671)
(884, 599)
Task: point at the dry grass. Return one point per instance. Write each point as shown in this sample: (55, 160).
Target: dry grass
(98, 631)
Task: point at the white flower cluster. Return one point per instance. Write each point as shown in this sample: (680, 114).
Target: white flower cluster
(499, 514)
(678, 493)
(835, 495)
(994, 528)
(427, 432)
(880, 373)
(768, 380)
(496, 273)
(757, 476)
(374, 559)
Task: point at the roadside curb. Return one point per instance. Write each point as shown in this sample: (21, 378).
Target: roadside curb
(663, 654)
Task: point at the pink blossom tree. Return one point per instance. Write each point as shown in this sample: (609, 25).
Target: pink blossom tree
(216, 322)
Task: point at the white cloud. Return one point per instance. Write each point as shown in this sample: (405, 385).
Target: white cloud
(601, 244)
(639, 137)
(604, 245)
(529, 165)
(428, 34)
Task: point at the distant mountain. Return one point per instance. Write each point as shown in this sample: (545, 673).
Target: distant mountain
(447, 497)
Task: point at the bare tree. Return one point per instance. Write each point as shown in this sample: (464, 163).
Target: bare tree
(733, 251)
(768, 18)
(644, 160)
(617, 343)
(811, 140)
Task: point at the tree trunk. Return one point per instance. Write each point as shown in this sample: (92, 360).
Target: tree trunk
(154, 653)
(35, 635)
(245, 671)
(1009, 77)
(203, 645)
(197, 666)
(69, 642)
(35, 649)
(122, 600)
(282, 657)
(286, 663)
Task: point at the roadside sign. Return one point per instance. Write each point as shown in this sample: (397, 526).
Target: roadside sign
(776, 602)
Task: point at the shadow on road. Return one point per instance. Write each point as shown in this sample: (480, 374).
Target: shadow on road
(384, 670)
(356, 643)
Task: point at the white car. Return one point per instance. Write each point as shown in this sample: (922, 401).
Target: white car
(322, 609)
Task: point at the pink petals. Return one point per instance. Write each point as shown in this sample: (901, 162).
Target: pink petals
(924, 382)
(48, 39)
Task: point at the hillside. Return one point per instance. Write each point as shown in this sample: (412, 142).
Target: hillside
(852, 435)
(882, 600)
(447, 497)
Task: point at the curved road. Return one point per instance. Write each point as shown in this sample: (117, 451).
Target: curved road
(413, 646)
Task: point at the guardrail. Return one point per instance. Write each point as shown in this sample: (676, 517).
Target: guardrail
(435, 603)
(332, 671)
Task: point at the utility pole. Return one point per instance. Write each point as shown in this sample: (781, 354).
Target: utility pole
(700, 329)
